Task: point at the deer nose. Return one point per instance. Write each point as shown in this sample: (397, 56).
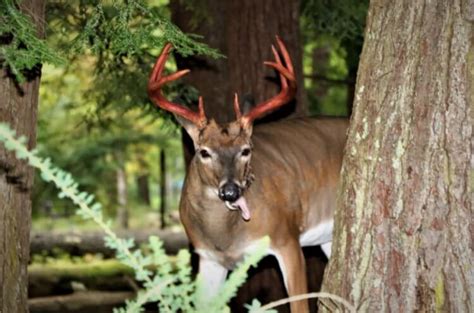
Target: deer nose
(229, 192)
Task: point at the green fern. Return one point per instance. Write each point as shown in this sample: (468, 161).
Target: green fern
(114, 28)
(20, 47)
(171, 285)
(125, 28)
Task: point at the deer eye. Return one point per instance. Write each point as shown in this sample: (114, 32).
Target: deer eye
(245, 152)
(204, 154)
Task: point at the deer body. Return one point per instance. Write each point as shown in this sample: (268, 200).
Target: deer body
(293, 191)
(277, 180)
(293, 194)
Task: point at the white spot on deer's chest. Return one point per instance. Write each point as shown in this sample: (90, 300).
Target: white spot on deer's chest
(317, 235)
(236, 255)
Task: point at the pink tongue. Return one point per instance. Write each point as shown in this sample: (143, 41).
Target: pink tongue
(242, 204)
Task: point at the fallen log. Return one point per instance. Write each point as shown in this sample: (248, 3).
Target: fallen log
(80, 243)
(82, 301)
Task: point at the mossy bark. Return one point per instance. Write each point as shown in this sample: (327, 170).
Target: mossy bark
(18, 107)
(404, 231)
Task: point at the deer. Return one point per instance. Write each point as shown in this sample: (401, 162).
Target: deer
(277, 179)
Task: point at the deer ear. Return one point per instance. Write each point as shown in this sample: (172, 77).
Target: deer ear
(191, 128)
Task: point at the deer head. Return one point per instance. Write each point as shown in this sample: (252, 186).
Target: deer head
(223, 152)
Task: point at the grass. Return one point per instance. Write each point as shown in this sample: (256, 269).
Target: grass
(83, 268)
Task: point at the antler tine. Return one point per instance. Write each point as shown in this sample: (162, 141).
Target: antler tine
(288, 85)
(238, 115)
(284, 84)
(155, 83)
(286, 55)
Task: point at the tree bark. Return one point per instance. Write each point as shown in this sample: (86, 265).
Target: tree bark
(243, 31)
(18, 107)
(404, 231)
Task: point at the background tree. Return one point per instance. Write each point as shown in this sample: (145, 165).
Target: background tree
(245, 48)
(333, 37)
(18, 107)
(403, 234)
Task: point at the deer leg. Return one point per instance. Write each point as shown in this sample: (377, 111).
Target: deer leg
(213, 275)
(292, 265)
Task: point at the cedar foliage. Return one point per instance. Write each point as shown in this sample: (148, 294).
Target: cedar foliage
(111, 46)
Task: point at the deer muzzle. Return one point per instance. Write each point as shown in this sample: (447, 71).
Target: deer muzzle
(230, 192)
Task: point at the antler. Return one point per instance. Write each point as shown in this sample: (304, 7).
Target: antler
(288, 86)
(155, 83)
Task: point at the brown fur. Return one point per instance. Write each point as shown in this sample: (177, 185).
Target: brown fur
(296, 166)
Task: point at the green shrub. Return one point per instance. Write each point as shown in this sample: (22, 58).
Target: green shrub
(171, 285)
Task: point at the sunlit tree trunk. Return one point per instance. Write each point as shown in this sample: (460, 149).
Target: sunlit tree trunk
(404, 225)
(122, 193)
(18, 107)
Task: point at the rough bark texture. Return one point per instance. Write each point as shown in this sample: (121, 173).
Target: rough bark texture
(403, 234)
(18, 107)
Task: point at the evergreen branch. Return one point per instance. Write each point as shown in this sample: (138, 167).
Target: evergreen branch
(133, 28)
(21, 49)
(118, 31)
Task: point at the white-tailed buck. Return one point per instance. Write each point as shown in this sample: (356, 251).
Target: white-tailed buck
(277, 179)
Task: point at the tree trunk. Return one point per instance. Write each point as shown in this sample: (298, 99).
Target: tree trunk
(243, 31)
(404, 231)
(18, 107)
(143, 187)
(122, 210)
(163, 185)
